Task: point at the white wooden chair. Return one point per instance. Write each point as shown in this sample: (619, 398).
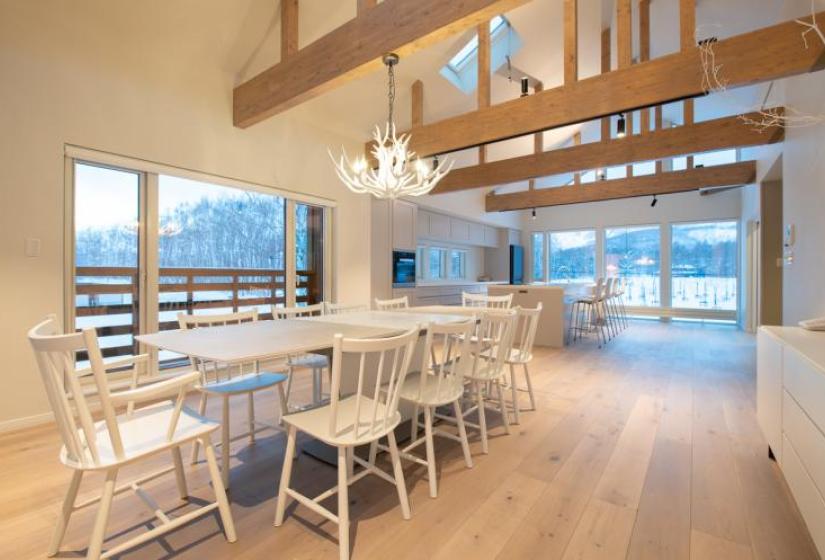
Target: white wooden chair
(392, 304)
(119, 439)
(340, 308)
(440, 382)
(490, 346)
(483, 300)
(227, 380)
(527, 322)
(346, 422)
(317, 363)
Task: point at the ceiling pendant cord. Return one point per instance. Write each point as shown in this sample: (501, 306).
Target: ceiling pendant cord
(391, 60)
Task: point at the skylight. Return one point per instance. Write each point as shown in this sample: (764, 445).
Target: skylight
(461, 69)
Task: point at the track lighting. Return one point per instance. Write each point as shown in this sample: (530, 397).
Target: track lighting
(600, 173)
(621, 127)
(525, 83)
(652, 204)
(534, 213)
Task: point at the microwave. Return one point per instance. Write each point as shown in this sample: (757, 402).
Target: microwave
(403, 269)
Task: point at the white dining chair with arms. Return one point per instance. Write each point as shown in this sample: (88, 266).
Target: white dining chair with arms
(120, 439)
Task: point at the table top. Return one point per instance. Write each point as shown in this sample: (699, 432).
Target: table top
(270, 339)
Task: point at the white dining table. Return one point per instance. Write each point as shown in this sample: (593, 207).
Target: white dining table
(270, 340)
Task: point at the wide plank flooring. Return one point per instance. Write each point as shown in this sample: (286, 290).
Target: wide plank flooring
(645, 449)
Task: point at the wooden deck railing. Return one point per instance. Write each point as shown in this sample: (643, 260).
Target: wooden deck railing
(116, 291)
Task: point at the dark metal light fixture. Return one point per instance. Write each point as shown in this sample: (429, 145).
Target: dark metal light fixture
(534, 213)
(655, 200)
(525, 84)
(621, 127)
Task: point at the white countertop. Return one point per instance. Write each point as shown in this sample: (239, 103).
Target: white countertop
(457, 283)
(810, 344)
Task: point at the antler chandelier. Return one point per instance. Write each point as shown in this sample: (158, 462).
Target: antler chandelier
(400, 171)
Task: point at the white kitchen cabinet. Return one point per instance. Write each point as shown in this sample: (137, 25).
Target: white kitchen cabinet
(459, 230)
(439, 227)
(490, 236)
(476, 234)
(790, 391)
(404, 222)
(423, 220)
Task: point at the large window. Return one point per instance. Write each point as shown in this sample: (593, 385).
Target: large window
(537, 246)
(458, 264)
(437, 263)
(704, 269)
(632, 253)
(573, 256)
(149, 246)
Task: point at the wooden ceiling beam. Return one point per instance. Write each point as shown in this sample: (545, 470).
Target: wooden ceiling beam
(355, 49)
(707, 136)
(289, 28)
(766, 54)
(571, 41)
(417, 94)
(364, 5)
(483, 70)
(734, 174)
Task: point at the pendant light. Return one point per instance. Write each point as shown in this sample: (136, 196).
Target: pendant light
(621, 127)
(400, 172)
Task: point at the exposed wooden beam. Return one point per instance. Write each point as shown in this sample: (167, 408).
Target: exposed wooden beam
(707, 136)
(687, 24)
(644, 54)
(577, 141)
(605, 69)
(417, 103)
(571, 45)
(658, 124)
(289, 28)
(364, 5)
(767, 54)
(355, 49)
(538, 137)
(734, 174)
(624, 33)
(687, 117)
(483, 32)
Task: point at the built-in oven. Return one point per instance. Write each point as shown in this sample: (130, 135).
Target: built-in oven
(403, 269)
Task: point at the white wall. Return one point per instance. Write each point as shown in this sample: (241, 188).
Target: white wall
(150, 80)
(803, 182)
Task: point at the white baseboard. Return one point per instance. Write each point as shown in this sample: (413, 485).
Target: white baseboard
(26, 422)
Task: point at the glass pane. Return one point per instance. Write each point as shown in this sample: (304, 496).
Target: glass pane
(538, 257)
(309, 254)
(457, 263)
(573, 256)
(704, 265)
(715, 158)
(220, 250)
(419, 269)
(437, 263)
(633, 253)
(106, 222)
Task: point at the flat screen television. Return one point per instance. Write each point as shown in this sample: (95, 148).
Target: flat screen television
(516, 264)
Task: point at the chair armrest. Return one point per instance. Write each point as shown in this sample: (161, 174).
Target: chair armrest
(156, 390)
(122, 362)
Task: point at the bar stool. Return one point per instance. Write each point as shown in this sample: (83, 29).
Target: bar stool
(586, 315)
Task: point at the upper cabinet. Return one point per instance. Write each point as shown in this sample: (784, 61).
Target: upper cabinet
(438, 227)
(404, 222)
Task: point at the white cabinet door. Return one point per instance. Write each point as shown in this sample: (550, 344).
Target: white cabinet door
(769, 390)
(404, 223)
(423, 224)
(477, 234)
(439, 227)
(459, 230)
(490, 236)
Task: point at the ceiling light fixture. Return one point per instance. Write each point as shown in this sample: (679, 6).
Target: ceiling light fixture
(653, 204)
(621, 127)
(400, 172)
(534, 214)
(525, 83)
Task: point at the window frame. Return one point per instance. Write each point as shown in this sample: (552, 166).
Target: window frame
(549, 252)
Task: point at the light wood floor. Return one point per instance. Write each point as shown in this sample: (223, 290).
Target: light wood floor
(648, 448)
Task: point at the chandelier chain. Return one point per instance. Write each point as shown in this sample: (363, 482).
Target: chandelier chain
(391, 90)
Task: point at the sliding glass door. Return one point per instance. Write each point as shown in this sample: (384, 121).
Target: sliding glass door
(150, 246)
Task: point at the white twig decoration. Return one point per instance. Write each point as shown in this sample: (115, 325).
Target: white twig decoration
(714, 82)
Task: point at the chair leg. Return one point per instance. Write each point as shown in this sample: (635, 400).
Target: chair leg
(414, 424)
(398, 474)
(514, 393)
(180, 474)
(65, 513)
(482, 419)
(196, 443)
(251, 418)
(350, 461)
(529, 387)
(286, 474)
(428, 433)
(505, 416)
(343, 504)
(373, 452)
(220, 491)
(225, 453)
(282, 400)
(462, 433)
(105, 504)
